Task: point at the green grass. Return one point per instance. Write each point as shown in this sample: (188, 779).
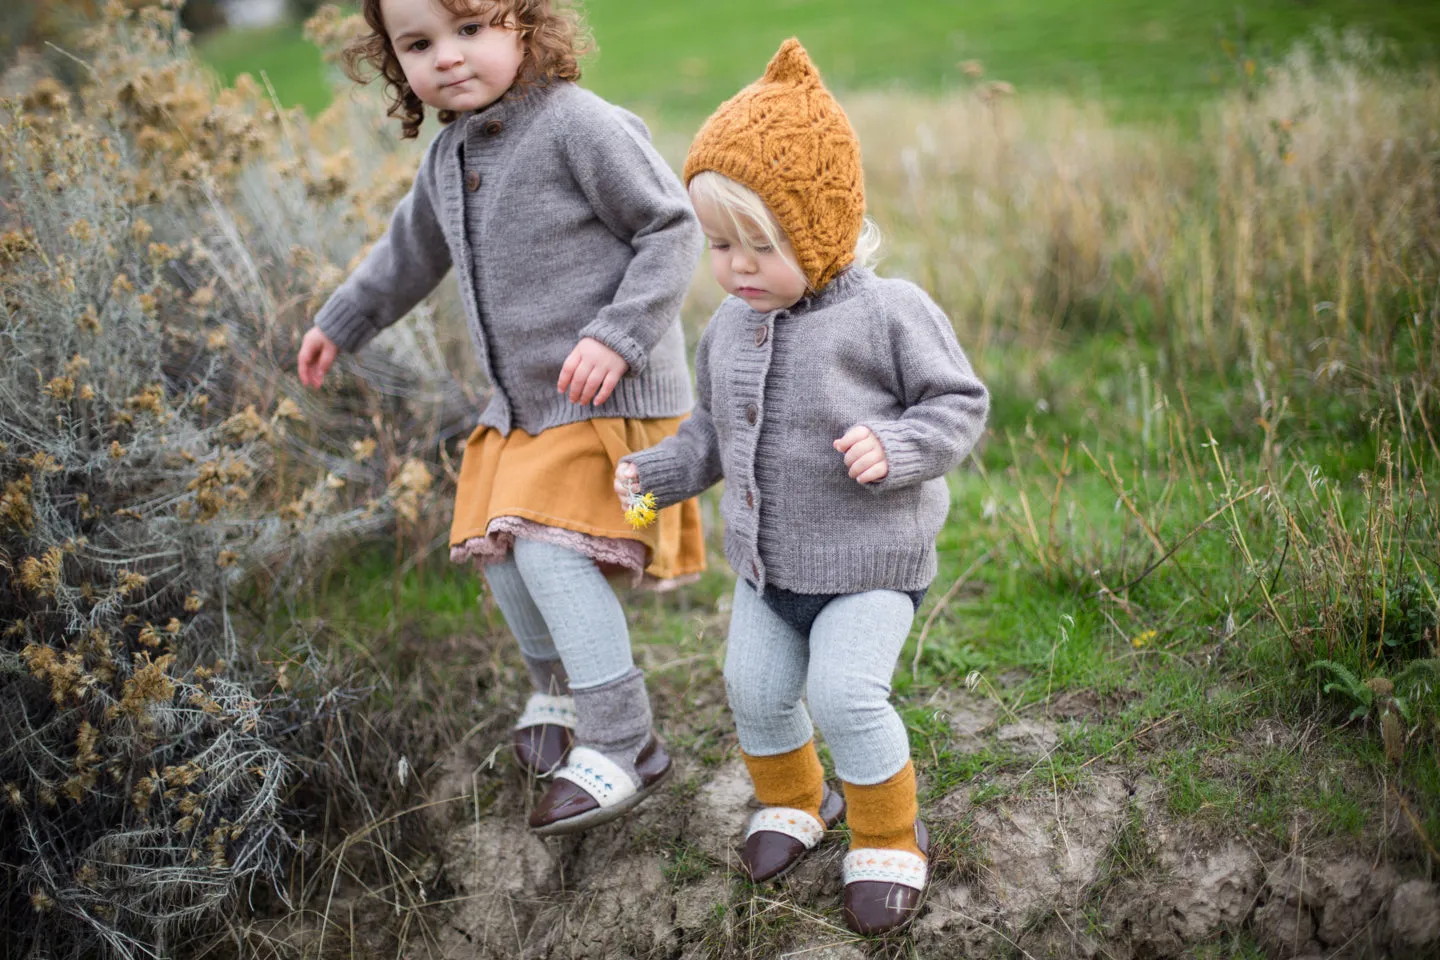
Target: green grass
(1150, 59)
(279, 54)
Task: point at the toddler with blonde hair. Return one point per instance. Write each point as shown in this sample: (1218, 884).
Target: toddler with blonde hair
(832, 403)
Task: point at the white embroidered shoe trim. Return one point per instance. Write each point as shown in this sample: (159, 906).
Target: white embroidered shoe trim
(597, 775)
(790, 822)
(542, 708)
(884, 866)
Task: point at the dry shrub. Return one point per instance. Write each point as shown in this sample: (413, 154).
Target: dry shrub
(141, 775)
(159, 251)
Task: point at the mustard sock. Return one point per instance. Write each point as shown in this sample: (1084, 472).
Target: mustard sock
(882, 815)
(793, 779)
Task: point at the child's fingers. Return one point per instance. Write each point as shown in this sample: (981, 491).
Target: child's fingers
(328, 352)
(864, 462)
(578, 378)
(567, 371)
(607, 387)
(852, 436)
(594, 377)
(304, 360)
(860, 449)
(626, 480)
(876, 473)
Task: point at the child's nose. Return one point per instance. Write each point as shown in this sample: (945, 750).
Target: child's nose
(742, 261)
(446, 56)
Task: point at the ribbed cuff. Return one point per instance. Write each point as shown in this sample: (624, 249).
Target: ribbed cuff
(345, 324)
(661, 473)
(617, 339)
(904, 455)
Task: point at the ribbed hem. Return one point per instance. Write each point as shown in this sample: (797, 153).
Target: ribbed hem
(345, 324)
(827, 568)
(643, 398)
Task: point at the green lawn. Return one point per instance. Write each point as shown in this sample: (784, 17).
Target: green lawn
(284, 57)
(1149, 58)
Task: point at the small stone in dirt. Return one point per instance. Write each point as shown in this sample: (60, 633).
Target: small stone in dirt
(1414, 920)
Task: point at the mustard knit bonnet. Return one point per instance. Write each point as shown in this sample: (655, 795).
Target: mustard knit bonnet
(786, 138)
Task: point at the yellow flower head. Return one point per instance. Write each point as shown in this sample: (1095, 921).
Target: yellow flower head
(641, 511)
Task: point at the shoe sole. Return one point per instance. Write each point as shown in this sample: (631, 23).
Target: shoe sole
(594, 818)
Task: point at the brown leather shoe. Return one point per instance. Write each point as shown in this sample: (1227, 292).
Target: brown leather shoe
(542, 750)
(592, 789)
(883, 887)
(770, 853)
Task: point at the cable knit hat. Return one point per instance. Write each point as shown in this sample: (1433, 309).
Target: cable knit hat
(786, 138)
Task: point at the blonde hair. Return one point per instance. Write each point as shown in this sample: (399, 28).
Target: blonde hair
(748, 214)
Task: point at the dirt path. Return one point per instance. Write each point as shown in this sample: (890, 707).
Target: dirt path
(1095, 868)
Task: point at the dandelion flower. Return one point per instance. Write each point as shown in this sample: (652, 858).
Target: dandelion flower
(641, 510)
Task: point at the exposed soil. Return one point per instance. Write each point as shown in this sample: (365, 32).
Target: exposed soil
(1098, 868)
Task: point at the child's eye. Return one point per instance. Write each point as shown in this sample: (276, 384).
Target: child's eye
(418, 45)
(761, 248)
(470, 29)
(716, 245)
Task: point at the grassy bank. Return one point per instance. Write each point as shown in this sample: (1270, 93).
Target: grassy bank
(1143, 59)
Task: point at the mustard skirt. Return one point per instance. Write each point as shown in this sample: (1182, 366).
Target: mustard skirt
(559, 487)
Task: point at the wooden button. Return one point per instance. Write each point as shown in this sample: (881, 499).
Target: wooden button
(472, 181)
(493, 128)
(755, 569)
(752, 413)
(761, 335)
(750, 499)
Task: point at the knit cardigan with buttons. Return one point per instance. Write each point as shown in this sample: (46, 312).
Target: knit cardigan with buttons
(561, 221)
(775, 390)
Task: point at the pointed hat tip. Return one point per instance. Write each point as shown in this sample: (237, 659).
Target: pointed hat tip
(790, 64)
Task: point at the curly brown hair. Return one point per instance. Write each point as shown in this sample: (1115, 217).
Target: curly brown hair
(552, 33)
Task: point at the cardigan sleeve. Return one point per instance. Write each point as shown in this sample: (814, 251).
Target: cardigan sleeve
(403, 266)
(945, 404)
(688, 462)
(638, 197)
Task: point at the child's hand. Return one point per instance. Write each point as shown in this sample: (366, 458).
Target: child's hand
(627, 482)
(863, 455)
(317, 352)
(591, 372)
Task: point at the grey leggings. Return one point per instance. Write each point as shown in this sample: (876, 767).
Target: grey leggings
(560, 606)
(843, 669)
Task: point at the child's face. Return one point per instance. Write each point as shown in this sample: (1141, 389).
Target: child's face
(765, 277)
(452, 62)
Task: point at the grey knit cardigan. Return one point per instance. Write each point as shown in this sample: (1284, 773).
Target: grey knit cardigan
(773, 393)
(561, 221)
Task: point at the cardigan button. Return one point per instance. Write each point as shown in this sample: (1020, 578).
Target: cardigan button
(750, 499)
(752, 413)
(762, 333)
(472, 181)
(493, 128)
(755, 569)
